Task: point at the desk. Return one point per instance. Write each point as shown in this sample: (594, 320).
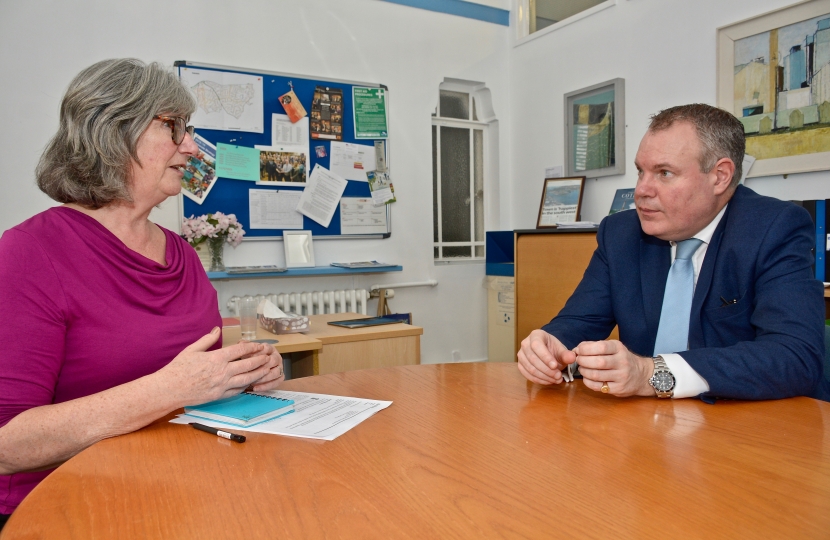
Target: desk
(465, 451)
(330, 349)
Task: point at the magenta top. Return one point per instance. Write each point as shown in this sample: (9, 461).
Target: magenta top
(82, 313)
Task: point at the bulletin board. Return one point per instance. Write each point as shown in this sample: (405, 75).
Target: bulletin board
(231, 196)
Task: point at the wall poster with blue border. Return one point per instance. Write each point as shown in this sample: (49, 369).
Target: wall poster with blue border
(246, 121)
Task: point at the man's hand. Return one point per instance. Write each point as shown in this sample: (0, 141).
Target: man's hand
(543, 357)
(610, 362)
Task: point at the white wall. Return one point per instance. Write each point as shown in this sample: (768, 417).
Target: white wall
(664, 49)
(43, 44)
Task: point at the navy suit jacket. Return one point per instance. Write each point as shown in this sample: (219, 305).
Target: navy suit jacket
(769, 344)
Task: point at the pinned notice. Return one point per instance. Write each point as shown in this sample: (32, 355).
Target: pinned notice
(237, 162)
(321, 195)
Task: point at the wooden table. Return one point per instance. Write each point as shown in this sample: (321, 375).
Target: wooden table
(286, 343)
(465, 451)
(330, 349)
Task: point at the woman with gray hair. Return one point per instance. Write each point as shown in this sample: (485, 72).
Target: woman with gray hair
(109, 320)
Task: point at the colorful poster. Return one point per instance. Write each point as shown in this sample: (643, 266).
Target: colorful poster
(327, 113)
(200, 171)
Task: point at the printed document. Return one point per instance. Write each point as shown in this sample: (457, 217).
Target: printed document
(237, 162)
(315, 416)
(352, 161)
(284, 133)
(361, 216)
(271, 209)
(321, 195)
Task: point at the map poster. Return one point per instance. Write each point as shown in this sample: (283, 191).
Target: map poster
(327, 113)
(369, 113)
(226, 101)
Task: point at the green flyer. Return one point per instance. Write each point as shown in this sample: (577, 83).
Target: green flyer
(369, 113)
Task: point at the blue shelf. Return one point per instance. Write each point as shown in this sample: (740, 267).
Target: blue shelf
(300, 272)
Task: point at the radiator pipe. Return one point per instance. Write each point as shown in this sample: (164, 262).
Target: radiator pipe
(427, 283)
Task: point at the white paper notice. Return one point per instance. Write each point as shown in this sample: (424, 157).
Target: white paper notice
(361, 216)
(321, 195)
(270, 209)
(227, 101)
(315, 416)
(351, 161)
(284, 133)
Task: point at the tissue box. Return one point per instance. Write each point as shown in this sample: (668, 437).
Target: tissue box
(290, 324)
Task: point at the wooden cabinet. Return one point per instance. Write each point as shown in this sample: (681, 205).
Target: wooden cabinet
(549, 264)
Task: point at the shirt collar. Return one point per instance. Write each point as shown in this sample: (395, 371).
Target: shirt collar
(708, 231)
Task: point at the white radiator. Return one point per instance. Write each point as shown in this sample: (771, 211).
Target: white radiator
(313, 303)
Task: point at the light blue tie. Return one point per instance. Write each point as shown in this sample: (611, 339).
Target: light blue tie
(673, 332)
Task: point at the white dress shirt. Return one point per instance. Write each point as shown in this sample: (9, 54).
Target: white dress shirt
(688, 382)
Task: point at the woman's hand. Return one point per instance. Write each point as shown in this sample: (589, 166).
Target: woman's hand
(197, 375)
(275, 374)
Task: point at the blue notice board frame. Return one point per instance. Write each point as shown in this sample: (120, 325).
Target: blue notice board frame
(231, 196)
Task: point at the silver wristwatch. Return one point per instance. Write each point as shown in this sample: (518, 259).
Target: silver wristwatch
(662, 380)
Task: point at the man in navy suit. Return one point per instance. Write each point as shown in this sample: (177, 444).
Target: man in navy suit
(755, 326)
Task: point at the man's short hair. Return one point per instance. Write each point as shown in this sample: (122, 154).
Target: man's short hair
(721, 135)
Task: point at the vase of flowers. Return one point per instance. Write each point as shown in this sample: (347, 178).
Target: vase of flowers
(213, 230)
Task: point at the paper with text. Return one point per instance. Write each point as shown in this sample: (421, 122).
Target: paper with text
(270, 209)
(352, 161)
(315, 416)
(321, 195)
(361, 216)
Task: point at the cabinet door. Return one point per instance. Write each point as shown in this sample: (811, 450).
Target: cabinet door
(548, 269)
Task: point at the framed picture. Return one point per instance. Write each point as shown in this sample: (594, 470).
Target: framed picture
(299, 250)
(561, 201)
(595, 130)
(774, 75)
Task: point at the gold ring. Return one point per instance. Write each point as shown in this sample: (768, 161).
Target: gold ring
(605, 388)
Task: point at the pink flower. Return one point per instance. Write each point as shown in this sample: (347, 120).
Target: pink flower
(197, 229)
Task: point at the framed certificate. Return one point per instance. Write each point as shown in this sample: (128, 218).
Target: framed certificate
(561, 201)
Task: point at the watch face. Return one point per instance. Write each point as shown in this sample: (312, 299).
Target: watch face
(663, 381)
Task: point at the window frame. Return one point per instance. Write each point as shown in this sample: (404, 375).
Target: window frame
(521, 13)
(471, 126)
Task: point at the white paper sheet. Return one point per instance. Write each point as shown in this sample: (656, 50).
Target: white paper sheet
(351, 161)
(361, 216)
(315, 416)
(271, 209)
(285, 133)
(321, 195)
(227, 101)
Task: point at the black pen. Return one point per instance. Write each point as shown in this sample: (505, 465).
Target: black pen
(224, 434)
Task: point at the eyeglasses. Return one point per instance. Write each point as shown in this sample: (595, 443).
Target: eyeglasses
(177, 126)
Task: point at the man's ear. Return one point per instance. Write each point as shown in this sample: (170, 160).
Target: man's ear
(723, 170)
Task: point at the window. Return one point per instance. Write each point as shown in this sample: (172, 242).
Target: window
(536, 15)
(460, 154)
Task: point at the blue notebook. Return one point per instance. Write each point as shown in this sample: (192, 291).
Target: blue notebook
(245, 409)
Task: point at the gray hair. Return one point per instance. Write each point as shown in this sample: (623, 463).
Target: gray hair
(103, 113)
(721, 135)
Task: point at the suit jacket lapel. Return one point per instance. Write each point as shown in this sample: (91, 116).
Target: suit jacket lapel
(704, 283)
(655, 261)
